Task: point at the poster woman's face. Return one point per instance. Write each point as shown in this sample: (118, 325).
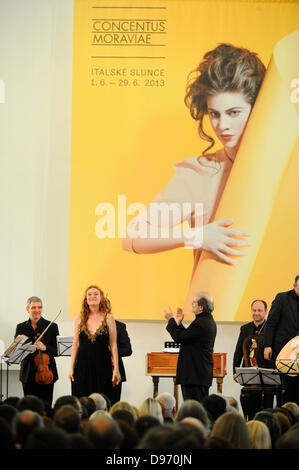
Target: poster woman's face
(93, 297)
(228, 113)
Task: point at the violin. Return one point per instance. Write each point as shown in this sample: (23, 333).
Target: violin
(43, 374)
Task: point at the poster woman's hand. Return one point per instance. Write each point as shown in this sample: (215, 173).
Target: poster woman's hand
(218, 239)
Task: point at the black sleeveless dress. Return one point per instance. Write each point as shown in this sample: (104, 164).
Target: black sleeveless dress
(93, 368)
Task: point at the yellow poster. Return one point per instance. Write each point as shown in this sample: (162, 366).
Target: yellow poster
(133, 136)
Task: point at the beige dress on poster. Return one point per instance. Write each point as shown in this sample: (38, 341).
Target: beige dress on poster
(196, 179)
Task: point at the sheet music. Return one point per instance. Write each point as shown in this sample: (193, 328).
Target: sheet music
(270, 376)
(248, 376)
(64, 345)
(19, 353)
(257, 376)
(268, 371)
(20, 339)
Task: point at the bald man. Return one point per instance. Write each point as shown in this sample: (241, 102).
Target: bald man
(195, 363)
(103, 432)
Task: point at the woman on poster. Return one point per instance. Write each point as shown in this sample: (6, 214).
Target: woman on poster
(225, 87)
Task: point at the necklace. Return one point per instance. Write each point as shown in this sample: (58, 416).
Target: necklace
(262, 327)
(230, 159)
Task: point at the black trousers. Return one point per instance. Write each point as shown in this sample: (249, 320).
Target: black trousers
(253, 400)
(292, 389)
(194, 392)
(44, 392)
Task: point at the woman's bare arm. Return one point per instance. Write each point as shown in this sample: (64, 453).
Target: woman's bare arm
(113, 348)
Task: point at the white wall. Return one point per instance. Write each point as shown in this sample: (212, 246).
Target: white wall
(35, 122)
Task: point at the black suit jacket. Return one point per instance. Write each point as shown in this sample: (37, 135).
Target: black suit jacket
(248, 331)
(195, 362)
(49, 339)
(245, 331)
(123, 346)
(283, 321)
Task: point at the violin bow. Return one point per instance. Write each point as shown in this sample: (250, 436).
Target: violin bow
(42, 334)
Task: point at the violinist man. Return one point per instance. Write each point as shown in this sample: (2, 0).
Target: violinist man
(46, 350)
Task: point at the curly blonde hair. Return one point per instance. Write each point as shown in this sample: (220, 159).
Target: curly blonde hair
(105, 305)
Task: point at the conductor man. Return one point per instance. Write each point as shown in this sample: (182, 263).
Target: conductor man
(195, 363)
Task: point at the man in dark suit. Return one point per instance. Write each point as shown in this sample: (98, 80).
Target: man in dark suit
(124, 350)
(249, 352)
(248, 335)
(283, 325)
(195, 363)
(33, 328)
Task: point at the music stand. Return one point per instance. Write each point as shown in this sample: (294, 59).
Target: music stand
(257, 376)
(15, 354)
(248, 376)
(288, 366)
(64, 345)
(263, 379)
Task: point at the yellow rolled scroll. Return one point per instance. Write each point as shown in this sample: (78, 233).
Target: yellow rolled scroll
(271, 134)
